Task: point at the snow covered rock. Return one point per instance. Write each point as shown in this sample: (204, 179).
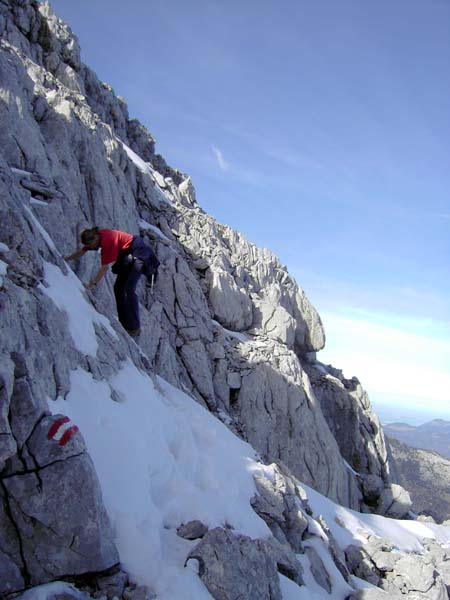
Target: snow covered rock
(417, 575)
(279, 503)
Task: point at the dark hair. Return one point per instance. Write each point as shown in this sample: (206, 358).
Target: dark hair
(89, 235)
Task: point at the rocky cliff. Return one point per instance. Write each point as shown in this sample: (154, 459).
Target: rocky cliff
(226, 324)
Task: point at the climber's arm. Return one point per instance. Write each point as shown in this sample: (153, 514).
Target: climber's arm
(101, 272)
(76, 254)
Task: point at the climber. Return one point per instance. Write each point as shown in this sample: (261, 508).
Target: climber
(131, 256)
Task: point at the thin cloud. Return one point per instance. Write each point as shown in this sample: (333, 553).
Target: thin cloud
(223, 164)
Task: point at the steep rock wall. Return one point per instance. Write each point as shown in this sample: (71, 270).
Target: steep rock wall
(71, 158)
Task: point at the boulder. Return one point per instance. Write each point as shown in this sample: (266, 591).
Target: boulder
(394, 502)
(63, 528)
(192, 530)
(235, 566)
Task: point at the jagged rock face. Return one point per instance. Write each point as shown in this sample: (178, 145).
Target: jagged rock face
(283, 505)
(67, 163)
(419, 576)
(51, 526)
(278, 415)
(358, 432)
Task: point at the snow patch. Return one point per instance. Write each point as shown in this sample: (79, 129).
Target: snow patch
(234, 334)
(351, 469)
(41, 229)
(50, 591)
(145, 167)
(67, 293)
(162, 460)
(291, 591)
(351, 527)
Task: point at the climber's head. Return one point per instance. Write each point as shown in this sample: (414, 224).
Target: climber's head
(90, 238)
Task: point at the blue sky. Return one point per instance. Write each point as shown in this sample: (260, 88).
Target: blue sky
(320, 130)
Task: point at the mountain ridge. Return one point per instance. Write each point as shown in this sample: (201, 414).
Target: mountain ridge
(433, 435)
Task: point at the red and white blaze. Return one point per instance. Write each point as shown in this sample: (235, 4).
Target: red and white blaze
(62, 430)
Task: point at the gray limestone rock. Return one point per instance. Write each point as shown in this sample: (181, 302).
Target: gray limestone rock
(192, 530)
(360, 564)
(275, 322)
(318, 569)
(253, 576)
(279, 504)
(234, 381)
(280, 418)
(394, 502)
(231, 306)
(337, 553)
(416, 576)
(55, 438)
(63, 527)
(356, 428)
(286, 560)
(12, 568)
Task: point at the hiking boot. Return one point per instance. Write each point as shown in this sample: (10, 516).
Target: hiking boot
(134, 332)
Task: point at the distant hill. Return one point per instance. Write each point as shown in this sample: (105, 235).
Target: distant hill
(434, 435)
(426, 476)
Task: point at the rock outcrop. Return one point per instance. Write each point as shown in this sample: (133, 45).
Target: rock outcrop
(358, 432)
(226, 324)
(417, 575)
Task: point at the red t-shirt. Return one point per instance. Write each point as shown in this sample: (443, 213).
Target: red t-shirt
(112, 242)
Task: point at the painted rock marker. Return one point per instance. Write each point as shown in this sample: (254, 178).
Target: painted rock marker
(62, 431)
